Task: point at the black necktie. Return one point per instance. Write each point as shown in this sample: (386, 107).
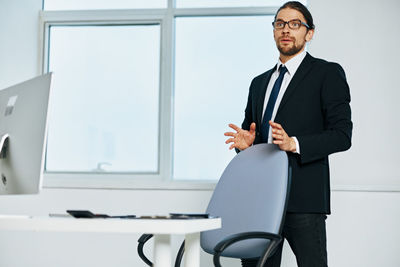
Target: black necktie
(271, 103)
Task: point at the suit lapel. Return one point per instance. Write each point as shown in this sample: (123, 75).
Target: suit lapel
(301, 72)
(261, 95)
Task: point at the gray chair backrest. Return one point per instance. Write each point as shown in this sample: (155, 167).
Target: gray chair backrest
(250, 196)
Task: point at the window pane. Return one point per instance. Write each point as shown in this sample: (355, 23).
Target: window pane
(230, 3)
(104, 114)
(216, 59)
(102, 4)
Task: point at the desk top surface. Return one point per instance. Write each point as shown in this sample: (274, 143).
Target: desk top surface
(154, 226)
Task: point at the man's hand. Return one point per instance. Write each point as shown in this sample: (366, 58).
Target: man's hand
(242, 139)
(281, 138)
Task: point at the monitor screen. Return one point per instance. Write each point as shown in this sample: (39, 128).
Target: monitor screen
(23, 124)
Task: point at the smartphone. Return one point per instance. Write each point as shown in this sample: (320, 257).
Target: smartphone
(86, 214)
(189, 215)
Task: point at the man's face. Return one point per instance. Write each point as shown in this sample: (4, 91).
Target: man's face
(290, 42)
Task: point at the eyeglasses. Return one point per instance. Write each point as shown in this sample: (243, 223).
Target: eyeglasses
(293, 24)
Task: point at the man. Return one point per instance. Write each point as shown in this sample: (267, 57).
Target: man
(301, 105)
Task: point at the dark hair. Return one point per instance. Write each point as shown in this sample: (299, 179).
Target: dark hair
(302, 9)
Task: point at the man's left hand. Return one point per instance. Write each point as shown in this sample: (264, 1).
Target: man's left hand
(281, 138)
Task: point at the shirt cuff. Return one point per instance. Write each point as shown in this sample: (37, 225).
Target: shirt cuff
(297, 145)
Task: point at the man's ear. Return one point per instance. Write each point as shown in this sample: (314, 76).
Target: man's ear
(309, 35)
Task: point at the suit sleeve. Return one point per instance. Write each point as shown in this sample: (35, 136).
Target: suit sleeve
(335, 104)
(248, 112)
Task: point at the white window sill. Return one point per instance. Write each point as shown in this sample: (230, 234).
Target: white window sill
(115, 181)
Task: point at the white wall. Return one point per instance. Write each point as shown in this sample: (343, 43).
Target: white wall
(363, 229)
(358, 35)
(19, 40)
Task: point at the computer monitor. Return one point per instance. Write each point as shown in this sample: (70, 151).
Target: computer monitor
(23, 124)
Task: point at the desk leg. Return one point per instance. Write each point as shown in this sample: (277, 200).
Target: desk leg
(192, 250)
(162, 251)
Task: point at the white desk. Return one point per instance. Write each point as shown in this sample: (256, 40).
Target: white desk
(161, 228)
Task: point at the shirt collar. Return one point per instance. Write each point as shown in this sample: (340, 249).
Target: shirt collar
(293, 64)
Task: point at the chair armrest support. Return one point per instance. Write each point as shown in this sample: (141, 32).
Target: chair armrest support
(221, 246)
(146, 237)
(179, 256)
(142, 240)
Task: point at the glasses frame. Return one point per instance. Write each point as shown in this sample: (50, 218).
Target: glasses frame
(287, 22)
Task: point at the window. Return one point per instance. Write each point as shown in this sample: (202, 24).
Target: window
(143, 94)
(105, 104)
(214, 64)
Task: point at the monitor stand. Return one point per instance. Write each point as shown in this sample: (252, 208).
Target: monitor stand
(3, 145)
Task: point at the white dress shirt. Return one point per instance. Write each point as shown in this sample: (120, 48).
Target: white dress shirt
(292, 65)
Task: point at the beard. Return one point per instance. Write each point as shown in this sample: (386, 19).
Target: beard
(290, 51)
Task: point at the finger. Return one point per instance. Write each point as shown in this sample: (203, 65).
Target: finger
(275, 131)
(279, 132)
(230, 140)
(275, 125)
(252, 127)
(277, 142)
(277, 136)
(234, 127)
(230, 134)
(232, 146)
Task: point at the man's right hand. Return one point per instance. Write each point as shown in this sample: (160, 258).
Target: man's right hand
(242, 139)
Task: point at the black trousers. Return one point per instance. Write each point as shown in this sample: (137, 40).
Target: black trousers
(306, 235)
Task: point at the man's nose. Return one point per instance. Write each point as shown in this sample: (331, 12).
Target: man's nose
(286, 28)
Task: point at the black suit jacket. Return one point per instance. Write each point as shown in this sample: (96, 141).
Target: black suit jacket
(315, 108)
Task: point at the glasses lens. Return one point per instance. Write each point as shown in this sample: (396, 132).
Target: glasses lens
(279, 24)
(294, 24)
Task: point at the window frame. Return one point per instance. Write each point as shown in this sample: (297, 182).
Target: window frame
(165, 18)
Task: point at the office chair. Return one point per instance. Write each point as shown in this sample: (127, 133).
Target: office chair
(251, 198)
